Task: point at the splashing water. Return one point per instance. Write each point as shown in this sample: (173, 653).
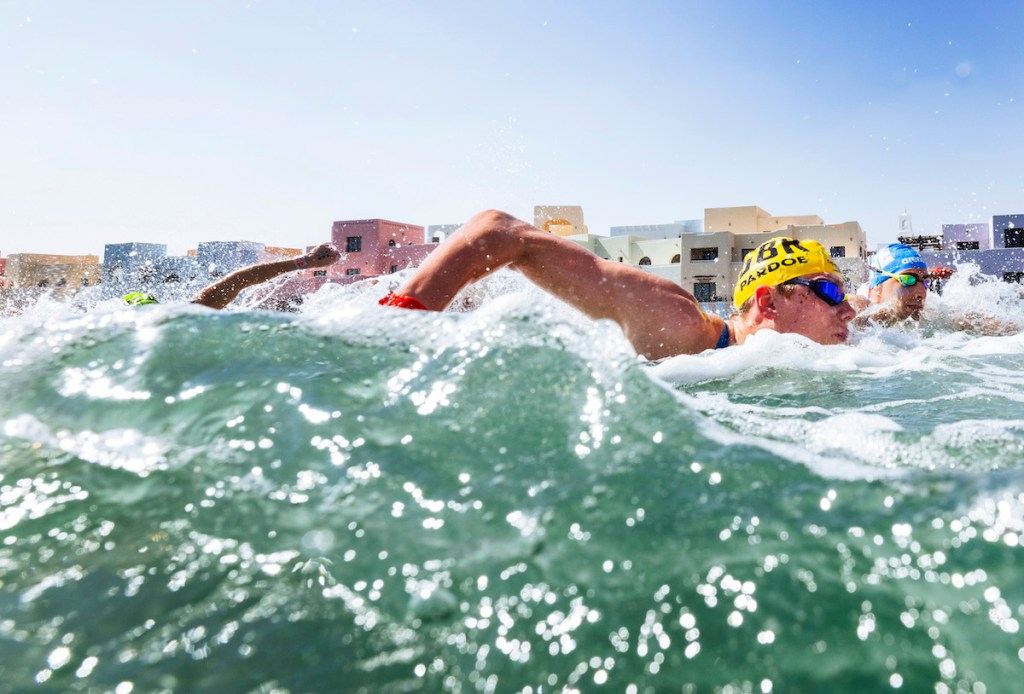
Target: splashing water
(366, 499)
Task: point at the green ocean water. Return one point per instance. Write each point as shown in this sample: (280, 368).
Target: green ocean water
(506, 500)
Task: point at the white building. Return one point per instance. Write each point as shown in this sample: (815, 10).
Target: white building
(660, 231)
(436, 233)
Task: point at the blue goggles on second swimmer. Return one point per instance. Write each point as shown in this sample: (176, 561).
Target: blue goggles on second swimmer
(829, 292)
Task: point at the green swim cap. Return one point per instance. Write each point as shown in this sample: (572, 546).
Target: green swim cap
(140, 299)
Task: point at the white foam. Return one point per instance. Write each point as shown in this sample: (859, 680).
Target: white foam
(121, 449)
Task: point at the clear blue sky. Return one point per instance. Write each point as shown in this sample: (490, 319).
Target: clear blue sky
(179, 121)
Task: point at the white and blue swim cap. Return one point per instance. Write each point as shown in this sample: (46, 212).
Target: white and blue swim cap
(894, 259)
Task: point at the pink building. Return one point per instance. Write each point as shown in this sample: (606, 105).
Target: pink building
(369, 248)
(372, 247)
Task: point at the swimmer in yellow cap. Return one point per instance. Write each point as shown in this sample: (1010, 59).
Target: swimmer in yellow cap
(785, 285)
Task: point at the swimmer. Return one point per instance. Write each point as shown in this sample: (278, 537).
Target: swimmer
(223, 291)
(897, 288)
(785, 285)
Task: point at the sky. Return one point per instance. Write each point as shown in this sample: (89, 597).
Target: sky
(180, 121)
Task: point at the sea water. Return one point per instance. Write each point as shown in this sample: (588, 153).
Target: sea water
(356, 498)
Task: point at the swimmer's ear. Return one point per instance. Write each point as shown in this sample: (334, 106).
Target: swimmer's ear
(764, 299)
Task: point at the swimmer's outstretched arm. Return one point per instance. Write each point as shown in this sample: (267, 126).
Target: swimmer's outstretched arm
(223, 291)
(658, 316)
(979, 323)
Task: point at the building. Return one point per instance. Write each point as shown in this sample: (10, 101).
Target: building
(751, 219)
(372, 247)
(369, 247)
(672, 230)
(276, 252)
(997, 249)
(966, 237)
(130, 267)
(560, 220)
(731, 233)
(921, 242)
(707, 262)
(46, 271)
(437, 233)
(1008, 231)
(27, 277)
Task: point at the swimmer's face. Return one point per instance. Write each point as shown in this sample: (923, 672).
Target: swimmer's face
(905, 302)
(804, 312)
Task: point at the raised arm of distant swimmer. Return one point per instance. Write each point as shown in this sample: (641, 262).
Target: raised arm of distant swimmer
(223, 291)
(658, 316)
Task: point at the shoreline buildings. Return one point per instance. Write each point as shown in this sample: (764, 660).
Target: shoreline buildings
(702, 255)
(26, 277)
(146, 267)
(369, 248)
(705, 256)
(997, 249)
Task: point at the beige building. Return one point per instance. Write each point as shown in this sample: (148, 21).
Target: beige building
(752, 219)
(711, 261)
(708, 263)
(35, 270)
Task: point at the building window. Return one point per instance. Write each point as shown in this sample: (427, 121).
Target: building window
(743, 252)
(676, 259)
(968, 245)
(837, 251)
(703, 254)
(394, 269)
(645, 260)
(44, 283)
(353, 244)
(172, 278)
(319, 273)
(1013, 238)
(352, 271)
(391, 243)
(436, 239)
(705, 291)
(1017, 277)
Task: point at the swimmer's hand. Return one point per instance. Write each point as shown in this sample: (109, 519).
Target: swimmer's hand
(859, 303)
(885, 315)
(978, 323)
(324, 254)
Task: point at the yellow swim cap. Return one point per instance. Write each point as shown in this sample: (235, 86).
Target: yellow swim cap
(777, 261)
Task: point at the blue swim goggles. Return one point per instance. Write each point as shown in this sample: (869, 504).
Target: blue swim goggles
(829, 292)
